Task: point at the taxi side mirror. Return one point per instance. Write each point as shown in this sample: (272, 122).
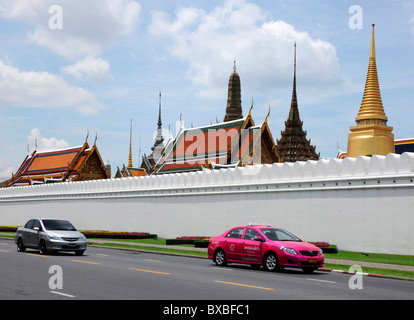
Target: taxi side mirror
(258, 238)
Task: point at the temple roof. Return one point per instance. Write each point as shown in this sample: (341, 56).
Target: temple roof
(196, 147)
(55, 165)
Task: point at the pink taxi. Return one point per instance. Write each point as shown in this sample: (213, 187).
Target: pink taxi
(262, 245)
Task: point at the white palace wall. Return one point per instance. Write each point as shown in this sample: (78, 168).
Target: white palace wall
(363, 204)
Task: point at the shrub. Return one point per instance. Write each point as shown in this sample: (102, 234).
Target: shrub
(8, 228)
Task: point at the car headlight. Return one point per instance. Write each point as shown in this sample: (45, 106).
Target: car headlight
(320, 251)
(82, 238)
(289, 250)
(53, 237)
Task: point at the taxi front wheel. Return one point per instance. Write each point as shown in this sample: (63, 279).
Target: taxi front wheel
(271, 263)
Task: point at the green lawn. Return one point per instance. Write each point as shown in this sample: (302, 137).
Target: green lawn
(373, 257)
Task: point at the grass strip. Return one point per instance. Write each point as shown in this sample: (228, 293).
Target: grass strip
(154, 249)
(373, 257)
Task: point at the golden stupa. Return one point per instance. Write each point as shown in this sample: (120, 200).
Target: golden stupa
(371, 135)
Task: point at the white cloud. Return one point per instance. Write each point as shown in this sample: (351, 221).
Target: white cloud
(238, 30)
(43, 90)
(89, 68)
(88, 26)
(43, 143)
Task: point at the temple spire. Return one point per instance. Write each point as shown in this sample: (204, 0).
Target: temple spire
(234, 108)
(158, 144)
(371, 134)
(371, 106)
(293, 144)
(159, 114)
(294, 111)
(130, 147)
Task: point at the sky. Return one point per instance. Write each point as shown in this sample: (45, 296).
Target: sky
(69, 67)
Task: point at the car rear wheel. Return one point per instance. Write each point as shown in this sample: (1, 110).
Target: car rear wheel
(20, 246)
(271, 262)
(220, 258)
(42, 247)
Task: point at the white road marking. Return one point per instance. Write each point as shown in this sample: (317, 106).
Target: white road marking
(150, 260)
(327, 281)
(222, 269)
(102, 255)
(62, 294)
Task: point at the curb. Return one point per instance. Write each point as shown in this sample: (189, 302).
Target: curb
(375, 275)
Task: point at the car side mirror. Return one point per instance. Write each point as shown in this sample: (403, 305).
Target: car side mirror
(36, 228)
(258, 238)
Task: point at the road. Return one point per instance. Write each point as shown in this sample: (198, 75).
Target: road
(103, 274)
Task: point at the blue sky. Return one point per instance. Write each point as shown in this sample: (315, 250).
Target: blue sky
(110, 59)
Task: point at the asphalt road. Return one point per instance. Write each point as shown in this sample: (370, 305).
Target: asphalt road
(102, 274)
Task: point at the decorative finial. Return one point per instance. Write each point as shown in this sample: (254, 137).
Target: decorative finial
(295, 60)
(268, 114)
(234, 67)
(250, 110)
(372, 53)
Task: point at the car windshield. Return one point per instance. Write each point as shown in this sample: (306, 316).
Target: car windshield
(58, 225)
(278, 235)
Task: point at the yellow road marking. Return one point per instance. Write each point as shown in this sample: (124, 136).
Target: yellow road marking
(244, 285)
(36, 255)
(148, 271)
(4, 251)
(86, 262)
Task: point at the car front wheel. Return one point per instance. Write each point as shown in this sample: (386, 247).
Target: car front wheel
(220, 258)
(271, 263)
(20, 246)
(42, 247)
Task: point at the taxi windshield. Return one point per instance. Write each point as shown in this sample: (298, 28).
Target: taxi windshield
(278, 234)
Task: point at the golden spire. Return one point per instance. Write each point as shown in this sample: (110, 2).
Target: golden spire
(371, 106)
(130, 147)
(371, 134)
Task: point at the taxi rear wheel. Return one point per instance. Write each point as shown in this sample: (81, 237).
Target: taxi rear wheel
(220, 258)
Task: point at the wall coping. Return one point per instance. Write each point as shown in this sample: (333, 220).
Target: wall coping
(393, 170)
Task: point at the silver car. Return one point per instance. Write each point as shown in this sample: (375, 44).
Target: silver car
(50, 235)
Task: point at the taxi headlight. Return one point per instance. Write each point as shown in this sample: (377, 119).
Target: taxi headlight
(289, 250)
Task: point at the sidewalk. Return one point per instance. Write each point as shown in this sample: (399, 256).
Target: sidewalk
(333, 261)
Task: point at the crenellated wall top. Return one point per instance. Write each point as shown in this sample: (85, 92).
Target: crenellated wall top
(277, 173)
